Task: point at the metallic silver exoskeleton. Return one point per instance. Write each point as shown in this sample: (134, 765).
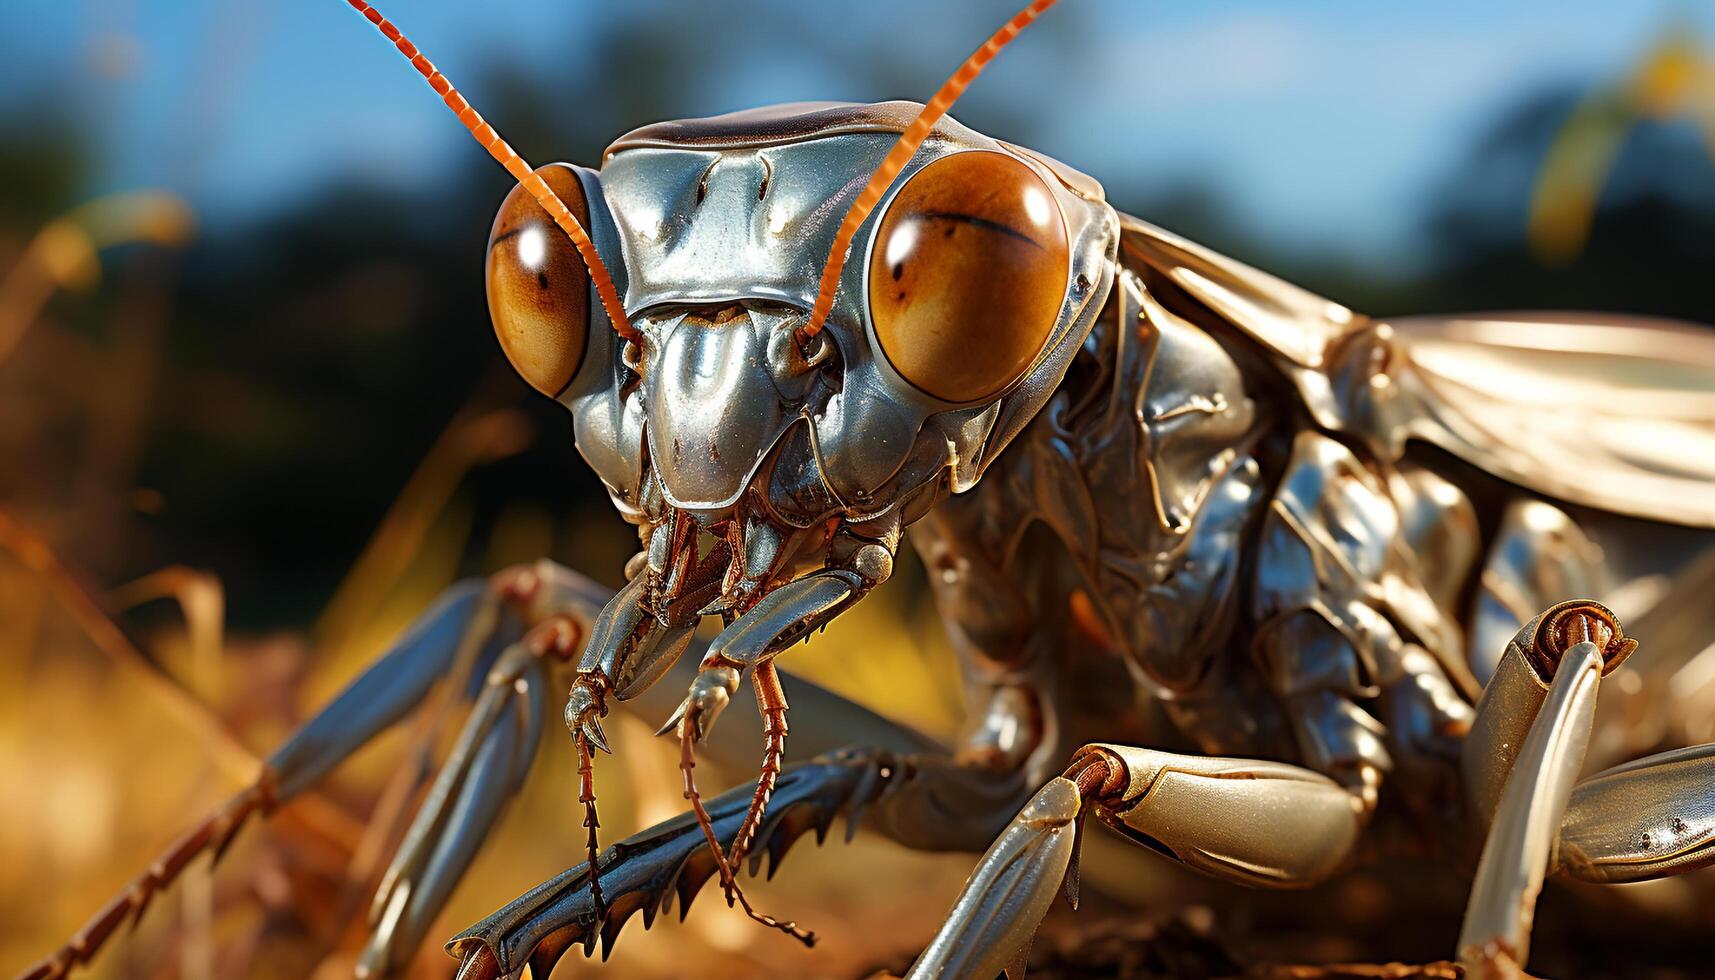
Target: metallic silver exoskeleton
(1312, 537)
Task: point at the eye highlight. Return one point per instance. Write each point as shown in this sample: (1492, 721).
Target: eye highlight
(968, 274)
(538, 288)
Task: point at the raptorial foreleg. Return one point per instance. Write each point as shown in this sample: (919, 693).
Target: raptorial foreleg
(1248, 821)
(457, 636)
(901, 785)
(646, 871)
(484, 771)
(383, 694)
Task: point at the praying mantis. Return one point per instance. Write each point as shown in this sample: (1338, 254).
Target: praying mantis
(1359, 563)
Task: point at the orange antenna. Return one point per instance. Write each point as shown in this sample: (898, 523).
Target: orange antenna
(515, 165)
(900, 155)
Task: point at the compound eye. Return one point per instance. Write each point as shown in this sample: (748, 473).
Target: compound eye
(968, 274)
(538, 289)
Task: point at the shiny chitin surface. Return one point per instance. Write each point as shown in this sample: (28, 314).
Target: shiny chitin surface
(1495, 937)
(1135, 470)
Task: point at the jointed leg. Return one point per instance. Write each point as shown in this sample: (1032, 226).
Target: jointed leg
(991, 925)
(902, 784)
(1646, 819)
(454, 638)
(914, 790)
(487, 766)
(632, 648)
(383, 694)
(645, 872)
(489, 762)
(1248, 821)
(1495, 939)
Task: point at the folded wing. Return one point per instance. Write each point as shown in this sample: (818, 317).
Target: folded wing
(1611, 412)
(1616, 413)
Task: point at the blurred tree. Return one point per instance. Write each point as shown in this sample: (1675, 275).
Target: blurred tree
(1674, 82)
(43, 165)
(1651, 239)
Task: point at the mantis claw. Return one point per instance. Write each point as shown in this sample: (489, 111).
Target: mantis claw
(711, 691)
(672, 722)
(592, 733)
(584, 709)
(648, 871)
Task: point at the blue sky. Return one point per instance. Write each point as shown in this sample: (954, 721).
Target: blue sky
(1322, 124)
